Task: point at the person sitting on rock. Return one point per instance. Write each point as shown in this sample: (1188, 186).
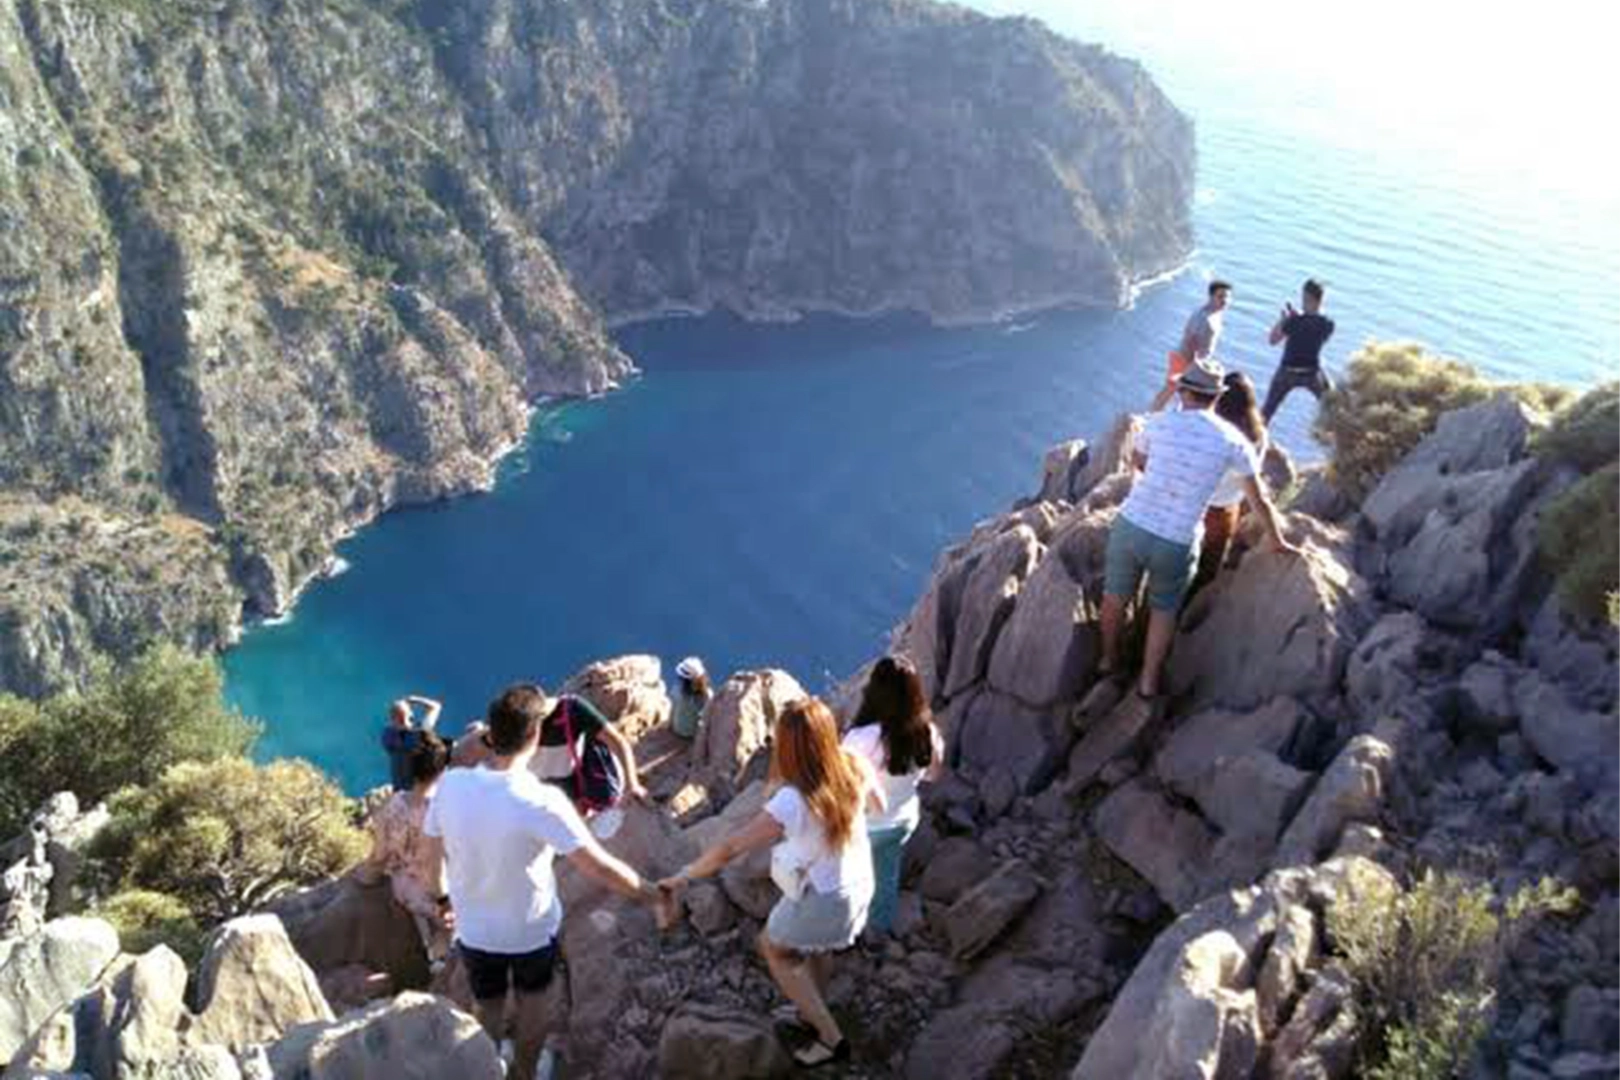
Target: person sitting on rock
(1183, 455)
(403, 733)
(894, 731)
(692, 695)
(822, 862)
(401, 851)
(586, 757)
(1237, 406)
(498, 830)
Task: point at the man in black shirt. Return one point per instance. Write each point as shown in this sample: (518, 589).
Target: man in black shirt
(1305, 333)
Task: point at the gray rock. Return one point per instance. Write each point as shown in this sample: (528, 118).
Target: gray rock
(1251, 796)
(1318, 497)
(1292, 954)
(1166, 845)
(1352, 789)
(1579, 660)
(987, 601)
(410, 1037)
(703, 1042)
(1059, 468)
(998, 790)
(958, 863)
(1562, 734)
(1319, 1042)
(252, 985)
(1399, 654)
(1486, 689)
(1207, 737)
(986, 910)
(1121, 731)
(737, 724)
(711, 913)
(1046, 651)
(1591, 1020)
(47, 970)
(1586, 1067)
(999, 732)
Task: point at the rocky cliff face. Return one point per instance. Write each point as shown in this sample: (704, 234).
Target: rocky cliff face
(272, 266)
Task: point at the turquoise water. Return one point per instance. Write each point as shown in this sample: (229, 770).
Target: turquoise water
(777, 494)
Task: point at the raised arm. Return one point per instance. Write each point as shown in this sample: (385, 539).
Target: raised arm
(430, 710)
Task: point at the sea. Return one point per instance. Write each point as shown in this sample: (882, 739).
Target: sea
(777, 494)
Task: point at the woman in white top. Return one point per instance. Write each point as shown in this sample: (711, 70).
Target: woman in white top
(894, 731)
(1239, 407)
(821, 862)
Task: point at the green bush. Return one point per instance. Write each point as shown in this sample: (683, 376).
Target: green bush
(1391, 397)
(1579, 541)
(1425, 963)
(146, 919)
(131, 725)
(1586, 433)
(225, 837)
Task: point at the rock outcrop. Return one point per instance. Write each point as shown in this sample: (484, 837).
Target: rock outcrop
(272, 268)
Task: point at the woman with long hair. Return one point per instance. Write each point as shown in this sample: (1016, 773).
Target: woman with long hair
(399, 849)
(894, 731)
(1239, 407)
(816, 818)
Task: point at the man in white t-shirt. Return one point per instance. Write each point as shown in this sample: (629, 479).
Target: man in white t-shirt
(498, 829)
(1182, 455)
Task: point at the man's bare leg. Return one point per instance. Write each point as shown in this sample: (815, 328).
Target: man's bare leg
(529, 1038)
(491, 1013)
(1161, 631)
(1113, 617)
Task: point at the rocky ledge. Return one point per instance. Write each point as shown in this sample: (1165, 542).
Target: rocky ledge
(275, 266)
(1095, 894)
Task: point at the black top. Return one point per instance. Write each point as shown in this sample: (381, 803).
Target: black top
(1306, 334)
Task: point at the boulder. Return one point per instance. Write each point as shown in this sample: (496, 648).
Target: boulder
(1485, 695)
(1000, 732)
(1110, 460)
(347, 922)
(1122, 730)
(711, 913)
(410, 1037)
(987, 598)
(1352, 789)
(1590, 1020)
(955, 866)
(1250, 797)
(1199, 741)
(997, 792)
(1060, 467)
(1168, 846)
(136, 1020)
(1320, 1039)
(1318, 497)
(1288, 962)
(628, 690)
(1481, 438)
(705, 1042)
(1047, 650)
(1398, 655)
(987, 909)
(1579, 660)
(1277, 468)
(48, 969)
(980, 1036)
(1279, 625)
(1584, 742)
(252, 985)
(738, 722)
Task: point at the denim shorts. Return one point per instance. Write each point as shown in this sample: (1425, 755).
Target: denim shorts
(818, 922)
(1132, 549)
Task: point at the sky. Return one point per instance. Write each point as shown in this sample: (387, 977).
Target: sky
(1522, 92)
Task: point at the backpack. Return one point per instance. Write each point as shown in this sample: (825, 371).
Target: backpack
(597, 782)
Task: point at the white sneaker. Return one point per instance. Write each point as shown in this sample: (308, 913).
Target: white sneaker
(606, 825)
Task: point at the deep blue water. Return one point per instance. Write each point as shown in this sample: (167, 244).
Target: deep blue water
(777, 494)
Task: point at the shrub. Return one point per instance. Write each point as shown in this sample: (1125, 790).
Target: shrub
(131, 725)
(1425, 963)
(1579, 542)
(146, 919)
(225, 837)
(1391, 397)
(1586, 433)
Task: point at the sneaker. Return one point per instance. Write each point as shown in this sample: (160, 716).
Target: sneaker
(606, 825)
(546, 1067)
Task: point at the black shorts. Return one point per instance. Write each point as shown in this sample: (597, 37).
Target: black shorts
(490, 973)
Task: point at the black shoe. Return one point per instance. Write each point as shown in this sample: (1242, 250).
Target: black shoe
(793, 1033)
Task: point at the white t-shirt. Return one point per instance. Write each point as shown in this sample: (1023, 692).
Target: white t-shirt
(846, 871)
(1230, 490)
(501, 830)
(902, 807)
(1188, 453)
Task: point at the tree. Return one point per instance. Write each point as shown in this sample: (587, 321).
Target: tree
(127, 728)
(226, 837)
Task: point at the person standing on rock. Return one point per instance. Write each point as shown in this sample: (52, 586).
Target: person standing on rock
(1198, 339)
(498, 830)
(1304, 332)
(1182, 456)
(894, 732)
(403, 734)
(692, 696)
(400, 850)
(822, 862)
(586, 757)
(1237, 406)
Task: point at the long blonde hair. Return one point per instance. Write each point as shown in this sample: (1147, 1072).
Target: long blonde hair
(805, 753)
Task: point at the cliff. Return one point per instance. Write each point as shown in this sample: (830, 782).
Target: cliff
(273, 266)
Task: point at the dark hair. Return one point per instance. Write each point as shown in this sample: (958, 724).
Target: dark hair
(515, 716)
(428, 759)
(1237, 407)
(894, 700)
(1313, 289)
(696, 685)
(1217, 285)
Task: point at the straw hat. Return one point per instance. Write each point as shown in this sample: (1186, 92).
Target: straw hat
(690, 668)
(1204, 377)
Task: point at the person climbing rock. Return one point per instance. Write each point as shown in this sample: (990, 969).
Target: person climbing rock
(692, 696)
(403, 733)
(822, 862)
(1182, 455)
(400, 851)
(498, 831)
(1198, 339)
(894, 731)
(1302, 335)
(586, 757)
(1237, 407)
